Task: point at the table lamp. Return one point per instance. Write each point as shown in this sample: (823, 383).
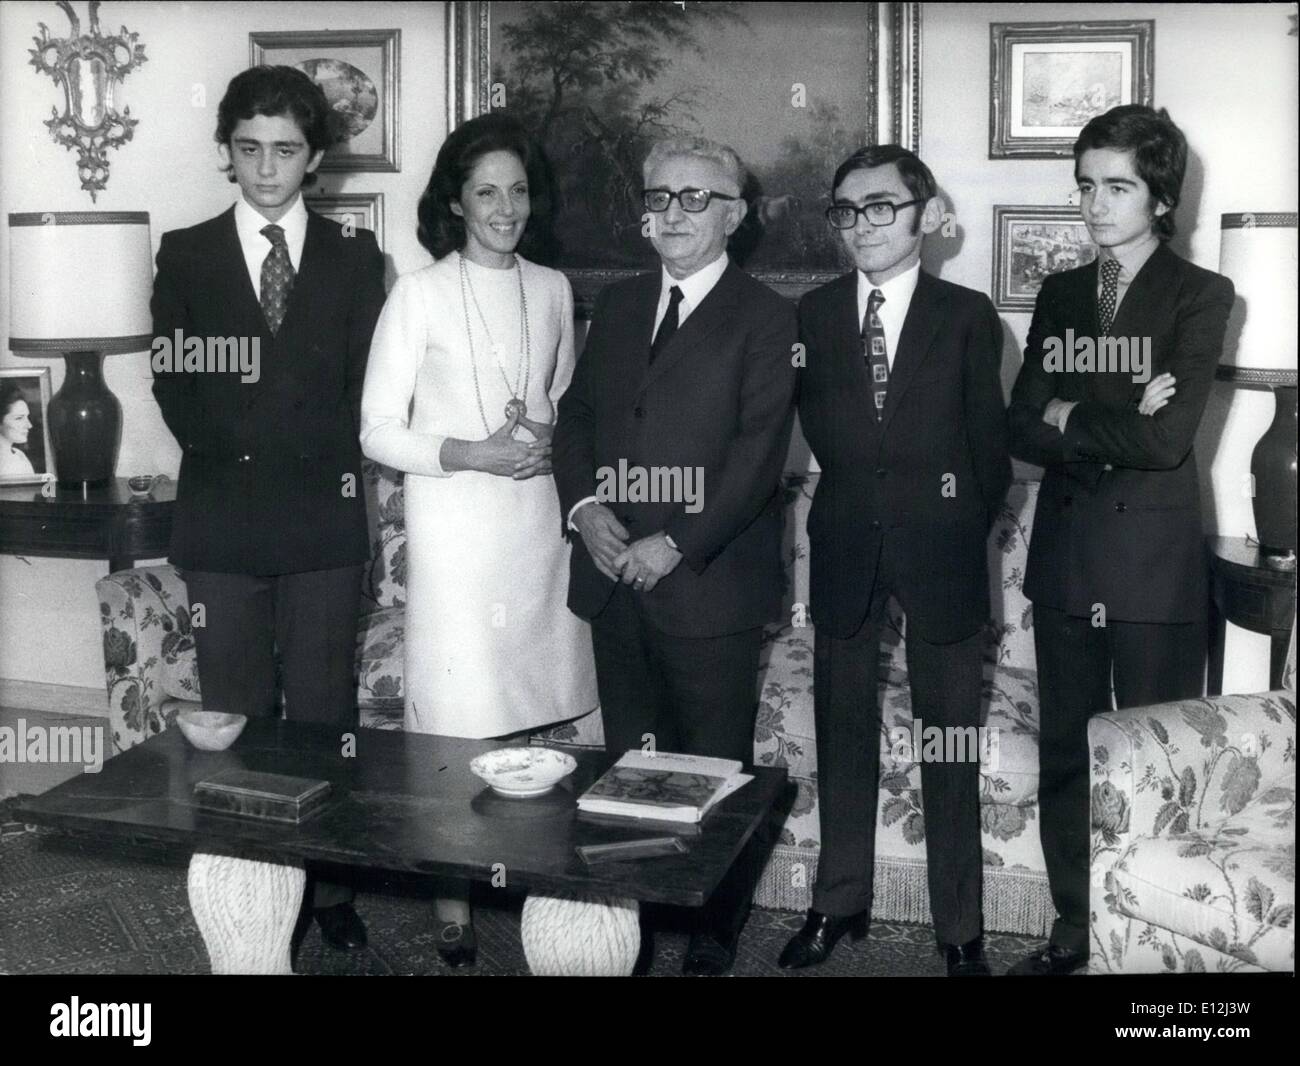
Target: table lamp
(1258, 252)
(79, 285)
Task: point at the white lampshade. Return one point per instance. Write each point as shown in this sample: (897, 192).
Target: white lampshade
(80, 281)
(1258, 252)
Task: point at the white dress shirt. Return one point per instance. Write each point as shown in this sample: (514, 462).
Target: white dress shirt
(897, 292)
(249, 223)
(694, 289)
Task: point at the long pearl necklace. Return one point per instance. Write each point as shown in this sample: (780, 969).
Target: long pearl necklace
(516, 404)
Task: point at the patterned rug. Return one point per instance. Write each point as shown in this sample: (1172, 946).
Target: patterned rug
(74, 905)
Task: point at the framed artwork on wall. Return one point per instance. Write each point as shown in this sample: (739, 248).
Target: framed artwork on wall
(355, 210)
(1047, 79)
(793, 88)
(25, 453)
(358, 70)
(1030, 242)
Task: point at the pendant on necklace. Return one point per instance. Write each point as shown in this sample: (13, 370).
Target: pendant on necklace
(516, 406)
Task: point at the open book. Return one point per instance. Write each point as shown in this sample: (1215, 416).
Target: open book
(663, 786)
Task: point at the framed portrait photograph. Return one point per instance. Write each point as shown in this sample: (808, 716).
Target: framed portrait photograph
(1049, 78)
(793, 88)
(1031, 242)
(25, 453)
(358, 70)
(354, 210)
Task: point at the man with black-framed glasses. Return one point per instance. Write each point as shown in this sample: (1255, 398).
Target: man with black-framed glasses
(687, 373)
(901, 402)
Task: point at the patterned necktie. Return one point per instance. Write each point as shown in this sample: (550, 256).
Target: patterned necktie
(668, 326)
(277, 278)
(873, 350)
(1109, 294)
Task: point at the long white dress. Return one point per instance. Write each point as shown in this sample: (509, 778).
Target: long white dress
(490, 646)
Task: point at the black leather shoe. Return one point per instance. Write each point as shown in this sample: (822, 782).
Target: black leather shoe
(457, 944)
(1052, 961)
(341, 927)
(966, 960)
(812, 945)
(709, 955)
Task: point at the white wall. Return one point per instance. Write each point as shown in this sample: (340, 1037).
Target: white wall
(1228, 75)
(49, 617)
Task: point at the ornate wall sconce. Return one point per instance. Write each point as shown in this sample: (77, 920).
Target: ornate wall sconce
(87, 66)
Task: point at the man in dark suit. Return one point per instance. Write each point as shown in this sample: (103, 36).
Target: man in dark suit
(687, 375)
(902, 405)
(1116, 567)
(269, 528)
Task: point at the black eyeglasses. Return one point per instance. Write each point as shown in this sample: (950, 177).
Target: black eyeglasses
(878, 212)
(692, 200)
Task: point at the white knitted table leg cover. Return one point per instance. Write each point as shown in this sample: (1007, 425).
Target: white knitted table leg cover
(581, 936)
(246, 911)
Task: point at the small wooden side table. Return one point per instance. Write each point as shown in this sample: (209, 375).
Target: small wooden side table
(106, 522)
(1249, 594)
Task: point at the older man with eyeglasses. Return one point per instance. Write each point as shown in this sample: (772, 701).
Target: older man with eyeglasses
(687, 377)
(901, 402)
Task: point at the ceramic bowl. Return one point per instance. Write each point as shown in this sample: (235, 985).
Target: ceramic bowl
(211, 730)
(522, 772)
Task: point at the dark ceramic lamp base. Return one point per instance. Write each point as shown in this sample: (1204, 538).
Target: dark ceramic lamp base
(1273, 467)
(85, 423)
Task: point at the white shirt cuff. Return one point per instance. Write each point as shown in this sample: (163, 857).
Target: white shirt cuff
(574, 510)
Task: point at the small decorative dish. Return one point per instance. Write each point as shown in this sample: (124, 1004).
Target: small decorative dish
(211, 730)
(520, 773)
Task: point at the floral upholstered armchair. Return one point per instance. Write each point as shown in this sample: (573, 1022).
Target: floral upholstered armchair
(1193, 835)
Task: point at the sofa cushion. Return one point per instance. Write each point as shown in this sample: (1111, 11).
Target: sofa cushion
(1230, 886)
(380, 658)
(384, 580)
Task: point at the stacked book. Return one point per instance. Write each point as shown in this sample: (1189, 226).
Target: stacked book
(663, 786)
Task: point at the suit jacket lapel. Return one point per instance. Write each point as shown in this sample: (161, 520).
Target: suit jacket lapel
(313, 269)
(1140, 295)
(241, 296)
(716, 310)
(924, 317)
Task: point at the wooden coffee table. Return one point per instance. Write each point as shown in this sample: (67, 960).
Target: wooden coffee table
(405, 803)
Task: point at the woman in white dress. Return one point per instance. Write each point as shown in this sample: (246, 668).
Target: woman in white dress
(15, 427)
(468, 361)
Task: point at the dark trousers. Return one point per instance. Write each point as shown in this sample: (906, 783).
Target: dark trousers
(693, 695)
(1077, 665)
(946, 683)
(311, 618)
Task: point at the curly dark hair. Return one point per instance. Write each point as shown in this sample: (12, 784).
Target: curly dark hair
(1159, 152)
(276, 91)
(10, 394)
(442, 232)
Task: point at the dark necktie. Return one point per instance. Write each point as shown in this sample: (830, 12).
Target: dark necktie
(668, 326)
(875, 352)
(1109, 294)
(277, 278)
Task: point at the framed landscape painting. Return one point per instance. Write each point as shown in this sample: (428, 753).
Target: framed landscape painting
(358, 70)
(351, 210)
(1049, 78)
(1028, 244)
(793, 88)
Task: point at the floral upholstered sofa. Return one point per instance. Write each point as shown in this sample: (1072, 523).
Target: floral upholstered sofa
(1193, 835)
(151, 673)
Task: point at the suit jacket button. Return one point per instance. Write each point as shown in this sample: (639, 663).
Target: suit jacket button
(245, 458)
(639, 412)
(627, 520)
(880, 471)
(1121, 507)
(875, 525)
